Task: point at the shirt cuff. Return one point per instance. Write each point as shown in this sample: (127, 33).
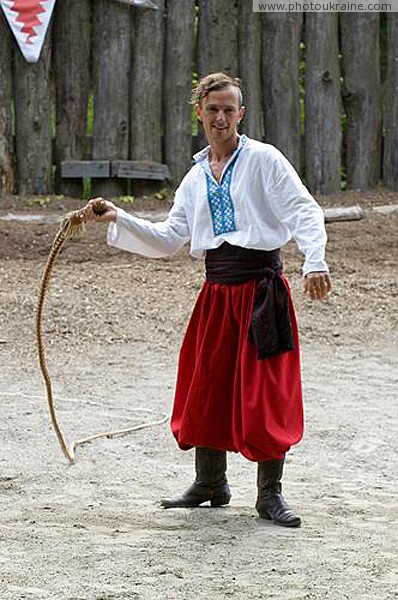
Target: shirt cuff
(315, 267)
(113, 232)
(315, 260)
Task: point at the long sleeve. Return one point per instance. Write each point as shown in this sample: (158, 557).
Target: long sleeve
(154, 240)
(294, 206)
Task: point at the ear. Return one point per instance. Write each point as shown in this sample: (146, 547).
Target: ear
(242, 112)
(198, 112)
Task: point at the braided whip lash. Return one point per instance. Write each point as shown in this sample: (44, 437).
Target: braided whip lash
(70, 226)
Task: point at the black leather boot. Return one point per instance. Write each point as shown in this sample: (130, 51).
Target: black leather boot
(210, 484)
(270, 503)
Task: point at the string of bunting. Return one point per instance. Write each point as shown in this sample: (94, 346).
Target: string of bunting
(29, 21)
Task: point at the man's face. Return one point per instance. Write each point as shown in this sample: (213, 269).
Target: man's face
(220, 113)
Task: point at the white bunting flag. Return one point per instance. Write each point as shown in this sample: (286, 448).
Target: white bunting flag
(29, 21)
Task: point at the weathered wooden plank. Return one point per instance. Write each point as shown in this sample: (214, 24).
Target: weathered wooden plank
(217, 42)
(6, 139)
(134, 169)
(323, 135)
(361, 96)
(146, 84)
(111, 62)
(217, 46)
(280, 60)
(249, 54)
(32, 94)
(146, 87)
(71, 51)
(177, 84)
(390, 159)
(125, 169)
(126, 172)
(85, 168)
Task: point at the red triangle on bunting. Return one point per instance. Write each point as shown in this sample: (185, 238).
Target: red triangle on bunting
(29, 21)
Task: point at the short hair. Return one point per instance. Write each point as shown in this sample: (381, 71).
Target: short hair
(213, 83)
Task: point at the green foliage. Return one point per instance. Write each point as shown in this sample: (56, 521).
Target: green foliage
(39, 201)
(162, 194)
(195, 80)
(127, 199)
(90, 114)
(86, 188)
(343, 178)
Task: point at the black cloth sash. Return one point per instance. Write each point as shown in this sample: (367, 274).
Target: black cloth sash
(270, 329)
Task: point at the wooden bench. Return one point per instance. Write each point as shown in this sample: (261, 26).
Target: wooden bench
(122, 169)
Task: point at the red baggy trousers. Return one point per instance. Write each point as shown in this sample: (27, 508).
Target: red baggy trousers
(225, 397)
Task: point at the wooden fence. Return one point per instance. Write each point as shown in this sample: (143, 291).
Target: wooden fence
(113, 83)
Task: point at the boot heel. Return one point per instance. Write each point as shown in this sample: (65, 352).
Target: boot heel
(264, 515)
(219, 501)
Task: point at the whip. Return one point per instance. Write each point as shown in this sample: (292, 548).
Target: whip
(70, 226)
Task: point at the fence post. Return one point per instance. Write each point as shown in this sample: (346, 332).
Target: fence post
(71, 49)
(180, 15)
(6, 134)
(32, 96)
(217, 46)
(361, 95)
(281, 44)
(249, 42)
(146, 88)
(322, 104)
(217, 42)
(111, 58)
(390, 166)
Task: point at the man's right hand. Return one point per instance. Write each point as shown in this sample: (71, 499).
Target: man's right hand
(108, 216)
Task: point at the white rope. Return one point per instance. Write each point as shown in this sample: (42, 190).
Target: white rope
(106, 434)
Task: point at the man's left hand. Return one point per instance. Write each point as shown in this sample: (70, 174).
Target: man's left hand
(317, 285)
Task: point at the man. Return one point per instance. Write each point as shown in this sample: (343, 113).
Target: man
(238, 386)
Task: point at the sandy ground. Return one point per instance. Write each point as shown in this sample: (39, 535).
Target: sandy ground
(94, 530)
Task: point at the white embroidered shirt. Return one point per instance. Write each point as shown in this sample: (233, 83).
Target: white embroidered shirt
(259, 202)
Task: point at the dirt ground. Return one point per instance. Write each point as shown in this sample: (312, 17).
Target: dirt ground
(94, 530)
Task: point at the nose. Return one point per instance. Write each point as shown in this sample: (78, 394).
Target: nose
(220, 116)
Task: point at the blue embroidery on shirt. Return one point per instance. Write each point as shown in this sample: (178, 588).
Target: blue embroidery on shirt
(218, 194)
(220, 202)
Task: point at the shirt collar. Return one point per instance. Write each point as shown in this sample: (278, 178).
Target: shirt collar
(204, 153)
